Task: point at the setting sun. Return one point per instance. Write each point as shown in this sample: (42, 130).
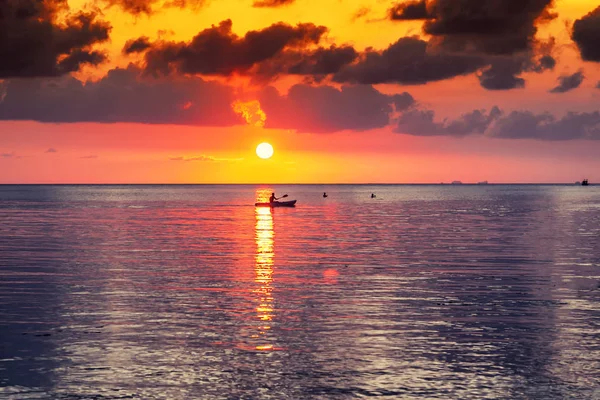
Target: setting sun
(264, 150)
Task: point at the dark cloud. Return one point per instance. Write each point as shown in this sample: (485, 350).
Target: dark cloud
(51, 150)
(137, 45)
(598, 85)
(408, 61)
(422, 123)
(271, 3)
(8, 155)
(315, 64)
(138, 7)
(35, 42)
(504, 71)
(545, 126)
(502, 75)
(322, 109)
(498, 124)
(219, 51)
(498, 35)
(121, 96)
(568, 82)
(90, 157)
(488, 26)
(410, 10)
(586, 33)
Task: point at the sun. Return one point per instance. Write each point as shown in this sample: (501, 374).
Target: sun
(264, 150)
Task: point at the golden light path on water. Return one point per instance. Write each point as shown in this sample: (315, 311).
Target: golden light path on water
(264, 273)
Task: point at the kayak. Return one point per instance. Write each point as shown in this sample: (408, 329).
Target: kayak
(291, 203)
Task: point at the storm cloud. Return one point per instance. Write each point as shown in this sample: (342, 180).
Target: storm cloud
(33, 43)
(586, 34)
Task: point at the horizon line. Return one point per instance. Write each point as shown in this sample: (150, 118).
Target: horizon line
(578, 183)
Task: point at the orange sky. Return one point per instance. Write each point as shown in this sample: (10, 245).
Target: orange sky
(326, 144)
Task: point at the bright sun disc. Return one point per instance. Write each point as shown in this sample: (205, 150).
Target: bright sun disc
(264, 150)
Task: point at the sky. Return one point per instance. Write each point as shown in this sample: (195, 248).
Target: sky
(346, 91)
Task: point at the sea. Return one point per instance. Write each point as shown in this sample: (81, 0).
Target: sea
(192, 292)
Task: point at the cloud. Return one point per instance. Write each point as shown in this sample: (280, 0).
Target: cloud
(271, 3)
(408, 61)
(9, 155)
(499, 36)
(504, 71)
(361, 13)
(487, 26)
(323, 109)
(422, 123)
(409, 10)
(148, 7)
(42, 44)
(568, 82)
(137, 45)
(314, 64)
(51, 150)
(496, 123)
(598, 85)
(121, 96)
(205, 159)
(528, 125)
(586, 34)
(219, 51)
(90, 157)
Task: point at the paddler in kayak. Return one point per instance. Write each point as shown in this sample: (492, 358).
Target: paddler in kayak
(273, 198)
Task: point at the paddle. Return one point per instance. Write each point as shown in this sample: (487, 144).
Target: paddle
(284, 196)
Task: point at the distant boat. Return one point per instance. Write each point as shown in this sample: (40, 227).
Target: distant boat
(456, 183)
(482, 183)
(585, 183)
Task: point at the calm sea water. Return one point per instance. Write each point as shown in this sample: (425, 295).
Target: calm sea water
(181, 292)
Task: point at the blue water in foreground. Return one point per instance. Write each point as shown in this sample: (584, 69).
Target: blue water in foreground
(184, 292)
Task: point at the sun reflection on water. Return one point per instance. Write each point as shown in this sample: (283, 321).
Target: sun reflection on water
(264, 273)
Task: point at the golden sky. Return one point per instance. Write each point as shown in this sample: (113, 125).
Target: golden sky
(343, 92)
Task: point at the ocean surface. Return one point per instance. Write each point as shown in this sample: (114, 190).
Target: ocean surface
(190, 292)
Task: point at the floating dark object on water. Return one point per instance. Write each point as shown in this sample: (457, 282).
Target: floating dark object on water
(290, 203)
(585, 183)
(324, 194)
(373, 195)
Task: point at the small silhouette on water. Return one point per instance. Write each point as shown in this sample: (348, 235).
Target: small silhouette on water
(373, 195)
(273, 199)
(585, 183)
(324, 194)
